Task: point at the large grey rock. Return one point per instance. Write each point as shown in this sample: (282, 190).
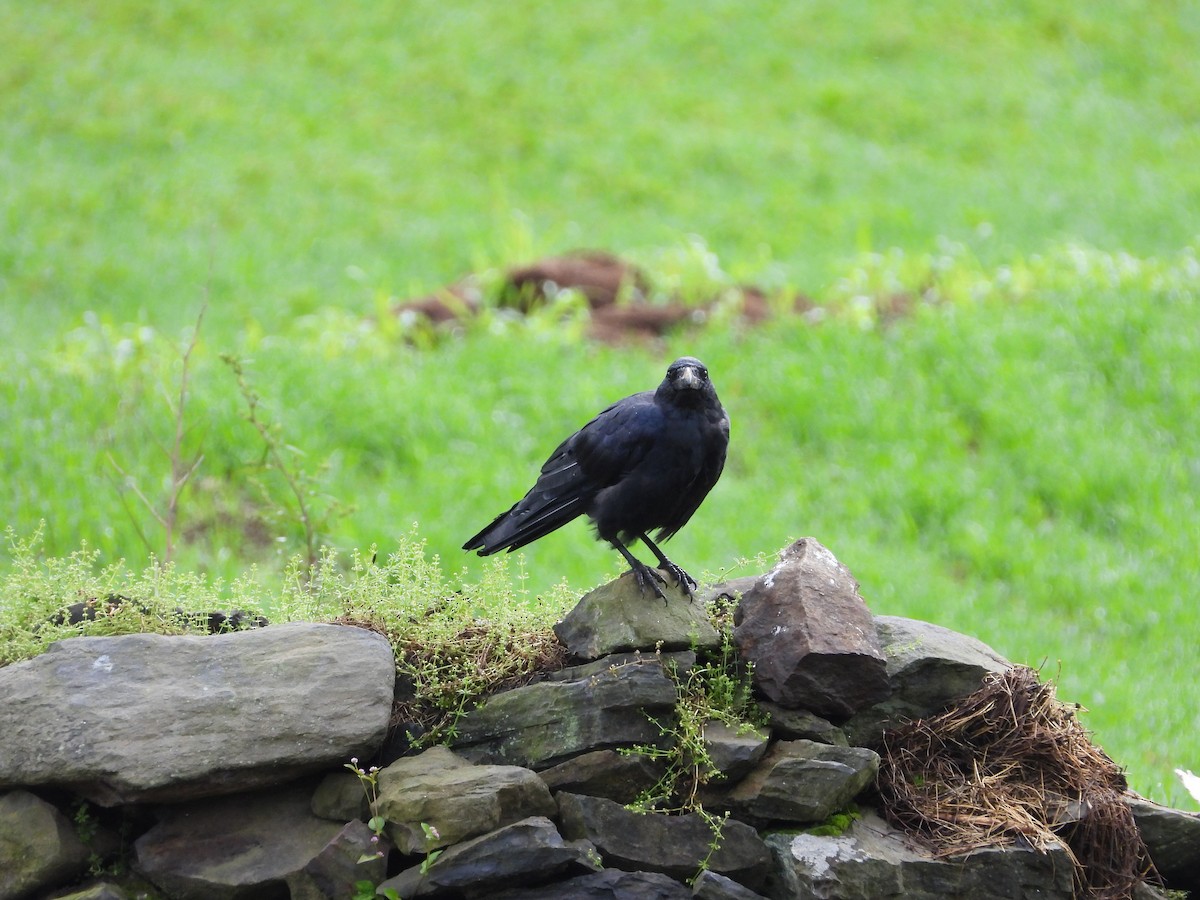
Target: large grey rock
(618, 616)
(800, 781)
(610, 884)
(929, 665)
(733, 751)
(673, 845)
(711, 886)
(797, 724)
(543, 724)
(1172, 838)
(810, 636)
(605, 773)
(147, 717)
(527, 852)
(928, 668)
(457, 799)
(39, 848)
(234, 848)
(679, 662)
(355, 854)
(872, 860)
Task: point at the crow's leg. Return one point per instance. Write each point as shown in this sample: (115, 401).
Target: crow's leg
(682, 578)
(646, 577)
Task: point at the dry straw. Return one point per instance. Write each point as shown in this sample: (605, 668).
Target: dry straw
(1012, 765)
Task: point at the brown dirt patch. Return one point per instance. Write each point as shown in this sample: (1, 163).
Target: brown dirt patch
(617, 293)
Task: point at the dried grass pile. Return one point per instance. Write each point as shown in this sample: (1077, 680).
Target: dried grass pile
(1011, 764)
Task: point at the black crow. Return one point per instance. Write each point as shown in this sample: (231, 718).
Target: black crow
(645, 463)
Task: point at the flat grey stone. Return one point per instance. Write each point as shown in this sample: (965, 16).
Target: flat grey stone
(147, 717)
(618, 616)
(530, 851)
(458, 800)
(872, 860)
(800, 782)
(234, 848)
(673, 845)
(928, 667)
(541, 725)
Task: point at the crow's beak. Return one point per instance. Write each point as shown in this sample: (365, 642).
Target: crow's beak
(689, 379)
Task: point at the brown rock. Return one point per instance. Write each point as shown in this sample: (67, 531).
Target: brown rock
(810, 636)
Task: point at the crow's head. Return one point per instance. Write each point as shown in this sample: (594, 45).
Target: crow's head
(687, 383)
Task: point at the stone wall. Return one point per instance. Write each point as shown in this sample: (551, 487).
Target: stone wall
(214, 766)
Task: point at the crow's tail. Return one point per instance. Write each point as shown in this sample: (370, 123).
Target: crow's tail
(525, 523)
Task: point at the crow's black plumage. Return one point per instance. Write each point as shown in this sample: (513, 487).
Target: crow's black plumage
(642, 465)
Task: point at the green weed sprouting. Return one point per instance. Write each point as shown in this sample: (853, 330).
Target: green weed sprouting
(713, 691)
(37, 594)
(717, 690)
(717, 825)
(368, 890)
(103, 858)
(369, 779)
(301, 497)
(431, 836)
(448, 640)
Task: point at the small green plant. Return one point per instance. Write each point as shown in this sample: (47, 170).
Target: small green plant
(717, 825)
(369, 779)
(106, 857)
(717, 690)
(431, 836)
(47, 598)
(368, 890)
(365, 889)
(316, 511)
(86, 827)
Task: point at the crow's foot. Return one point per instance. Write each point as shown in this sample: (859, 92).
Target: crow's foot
(685, 581)
(649, 578)
(652, 578)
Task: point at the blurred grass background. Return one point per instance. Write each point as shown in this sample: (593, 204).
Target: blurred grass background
(1015, 458)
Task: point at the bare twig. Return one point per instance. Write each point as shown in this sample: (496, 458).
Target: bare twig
(121, 488)
(181, 470)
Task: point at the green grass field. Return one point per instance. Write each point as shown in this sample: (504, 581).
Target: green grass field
(1016, 458)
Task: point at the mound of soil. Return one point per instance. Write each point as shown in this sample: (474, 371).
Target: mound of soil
(617, 293)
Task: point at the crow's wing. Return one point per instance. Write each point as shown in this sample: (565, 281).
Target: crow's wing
(593, 458)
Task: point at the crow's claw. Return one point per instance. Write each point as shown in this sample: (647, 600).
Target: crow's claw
(650, 578)
(685, 581)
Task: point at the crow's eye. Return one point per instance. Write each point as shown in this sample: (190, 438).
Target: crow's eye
(703, 373)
